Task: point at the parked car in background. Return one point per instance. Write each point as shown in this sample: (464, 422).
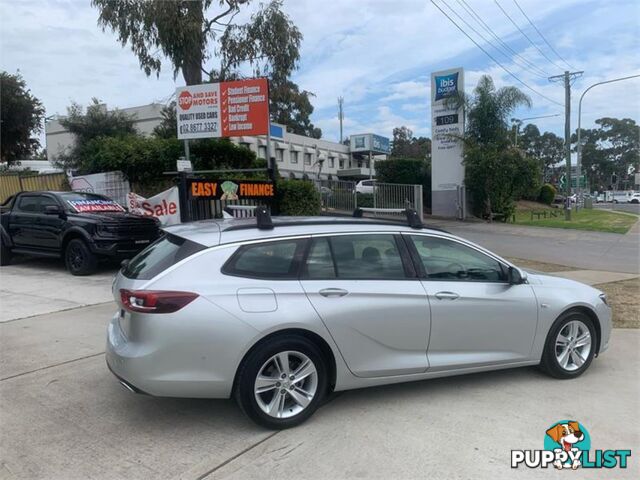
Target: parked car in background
(279, 316)
(365, 186)
(81, 228)
(621, 197)
(635, 198)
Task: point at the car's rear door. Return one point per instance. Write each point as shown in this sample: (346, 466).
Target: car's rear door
(364, 288)
(477, 317)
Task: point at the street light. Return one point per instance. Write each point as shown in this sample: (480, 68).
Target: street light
(518, 121)
(579, 156)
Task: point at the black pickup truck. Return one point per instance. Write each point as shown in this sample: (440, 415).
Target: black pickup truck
(81, 228)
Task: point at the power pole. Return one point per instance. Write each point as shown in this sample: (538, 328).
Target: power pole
(340, 115)
(567, 77)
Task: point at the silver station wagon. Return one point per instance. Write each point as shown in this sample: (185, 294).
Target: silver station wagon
(280, 312)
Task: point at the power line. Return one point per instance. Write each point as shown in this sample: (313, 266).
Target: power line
(488, 29)
(541, 36)
(493, 58)
(490, 43)
(525, 35)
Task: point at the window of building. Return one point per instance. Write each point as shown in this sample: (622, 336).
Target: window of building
(294, 156)
(369, 257)
(341, 163)
(262, 151)
(307, 159)
(451, 261)
(279, 155)
(332, 162)
(266, 260)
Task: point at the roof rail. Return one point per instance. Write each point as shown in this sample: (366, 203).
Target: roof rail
(413, 220)
(263, 217)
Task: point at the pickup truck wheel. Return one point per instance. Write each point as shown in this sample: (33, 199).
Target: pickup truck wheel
(5, 255)
(79, 259)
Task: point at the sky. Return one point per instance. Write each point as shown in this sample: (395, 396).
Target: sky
(377, 54)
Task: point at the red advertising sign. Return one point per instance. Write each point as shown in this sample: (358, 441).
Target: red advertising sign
(226, 109)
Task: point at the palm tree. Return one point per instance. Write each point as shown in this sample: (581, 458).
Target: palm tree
(491, 164)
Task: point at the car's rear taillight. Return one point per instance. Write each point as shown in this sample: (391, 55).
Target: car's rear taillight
(155, 301)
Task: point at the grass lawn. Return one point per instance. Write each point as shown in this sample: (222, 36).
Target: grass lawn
(585, 219)
(624, 298)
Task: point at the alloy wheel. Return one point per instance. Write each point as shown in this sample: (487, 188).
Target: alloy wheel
(286, 384)
(573, 345)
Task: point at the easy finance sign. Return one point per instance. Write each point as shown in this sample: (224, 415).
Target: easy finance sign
(225, 109)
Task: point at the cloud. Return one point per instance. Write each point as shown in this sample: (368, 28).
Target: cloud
(377, 54)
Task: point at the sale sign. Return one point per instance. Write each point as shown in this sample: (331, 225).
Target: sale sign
(225, 109)
(164, 206)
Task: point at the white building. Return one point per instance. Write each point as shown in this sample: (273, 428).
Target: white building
(58, 139)
(296, 156)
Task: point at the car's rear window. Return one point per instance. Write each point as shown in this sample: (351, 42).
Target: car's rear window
(159, 256)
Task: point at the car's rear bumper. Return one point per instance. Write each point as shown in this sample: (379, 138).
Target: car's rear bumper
(174, 355)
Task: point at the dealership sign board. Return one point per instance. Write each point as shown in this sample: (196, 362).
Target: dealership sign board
(447, 123)
(230, 189)
(225, 109)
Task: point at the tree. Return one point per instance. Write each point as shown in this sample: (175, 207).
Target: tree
(21, 117)
(612, 147)
(200, 37)
(93, 123)
(547, 149)
(496, 173)
(405, 145)
(168, 127)
(292, 107)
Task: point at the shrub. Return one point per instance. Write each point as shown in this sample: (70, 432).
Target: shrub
(547, 193)
(365, 199)
(496, 177)
(297, 197)
(144, 159)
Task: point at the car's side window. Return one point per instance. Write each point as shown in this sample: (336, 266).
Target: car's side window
(46, 201)
(319, 262)
(29, 204)
(366, 256)
(445, 259)
(277, 260)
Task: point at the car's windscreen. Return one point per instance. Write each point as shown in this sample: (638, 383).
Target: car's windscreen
(159, 256)
(78, 202)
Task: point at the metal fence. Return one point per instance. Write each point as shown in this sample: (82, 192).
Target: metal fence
(340, 197)
(10, 184)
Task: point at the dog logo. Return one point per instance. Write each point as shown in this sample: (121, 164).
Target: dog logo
(567, 435)
(567, 445)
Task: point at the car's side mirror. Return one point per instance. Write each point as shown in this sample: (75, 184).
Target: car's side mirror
(516, 276)
(124, 263)
(52, 210)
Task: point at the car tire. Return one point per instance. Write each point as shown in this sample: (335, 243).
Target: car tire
(5, 254)
(78, 259)
(272, 401)
(566, 353)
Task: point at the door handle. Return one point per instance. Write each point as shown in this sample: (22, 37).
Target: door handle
(333, 292)
(447, 295)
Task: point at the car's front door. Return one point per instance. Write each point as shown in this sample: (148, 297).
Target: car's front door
(477, 317)
(49, 226)
(366, 293)
(23, 221)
